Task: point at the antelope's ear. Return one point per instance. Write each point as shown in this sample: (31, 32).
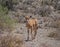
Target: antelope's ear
(30, 16)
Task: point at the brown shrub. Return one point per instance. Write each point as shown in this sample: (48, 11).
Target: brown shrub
(53, 34)
(11, 41)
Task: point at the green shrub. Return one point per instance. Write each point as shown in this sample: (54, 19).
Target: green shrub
(5, 21)
(3, 10)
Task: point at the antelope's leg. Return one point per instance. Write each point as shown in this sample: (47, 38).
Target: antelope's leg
(28, 34)
(32, 36)
(35, 32)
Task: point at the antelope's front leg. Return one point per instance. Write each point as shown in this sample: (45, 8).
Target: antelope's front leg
(28, 34)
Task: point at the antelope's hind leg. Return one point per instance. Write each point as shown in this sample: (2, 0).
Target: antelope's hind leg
(27, 35)
(35, 32)
(32, 34)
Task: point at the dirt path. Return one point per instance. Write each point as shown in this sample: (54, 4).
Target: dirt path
(41, 39)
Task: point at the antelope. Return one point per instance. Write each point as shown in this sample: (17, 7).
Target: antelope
(31, 24)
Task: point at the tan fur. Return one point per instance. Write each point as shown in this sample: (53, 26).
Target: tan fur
(31, 23)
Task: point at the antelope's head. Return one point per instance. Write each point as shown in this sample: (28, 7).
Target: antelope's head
(27, 17)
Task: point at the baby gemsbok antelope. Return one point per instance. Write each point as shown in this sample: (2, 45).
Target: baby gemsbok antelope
(31, 24)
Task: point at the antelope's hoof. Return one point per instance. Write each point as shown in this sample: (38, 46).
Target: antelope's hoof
(27, 40)
(33, 38)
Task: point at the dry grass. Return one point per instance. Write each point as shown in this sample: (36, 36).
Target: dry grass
(55, 24)
(11, 41)
(58, 23)
(44, 45)
(53, 34)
